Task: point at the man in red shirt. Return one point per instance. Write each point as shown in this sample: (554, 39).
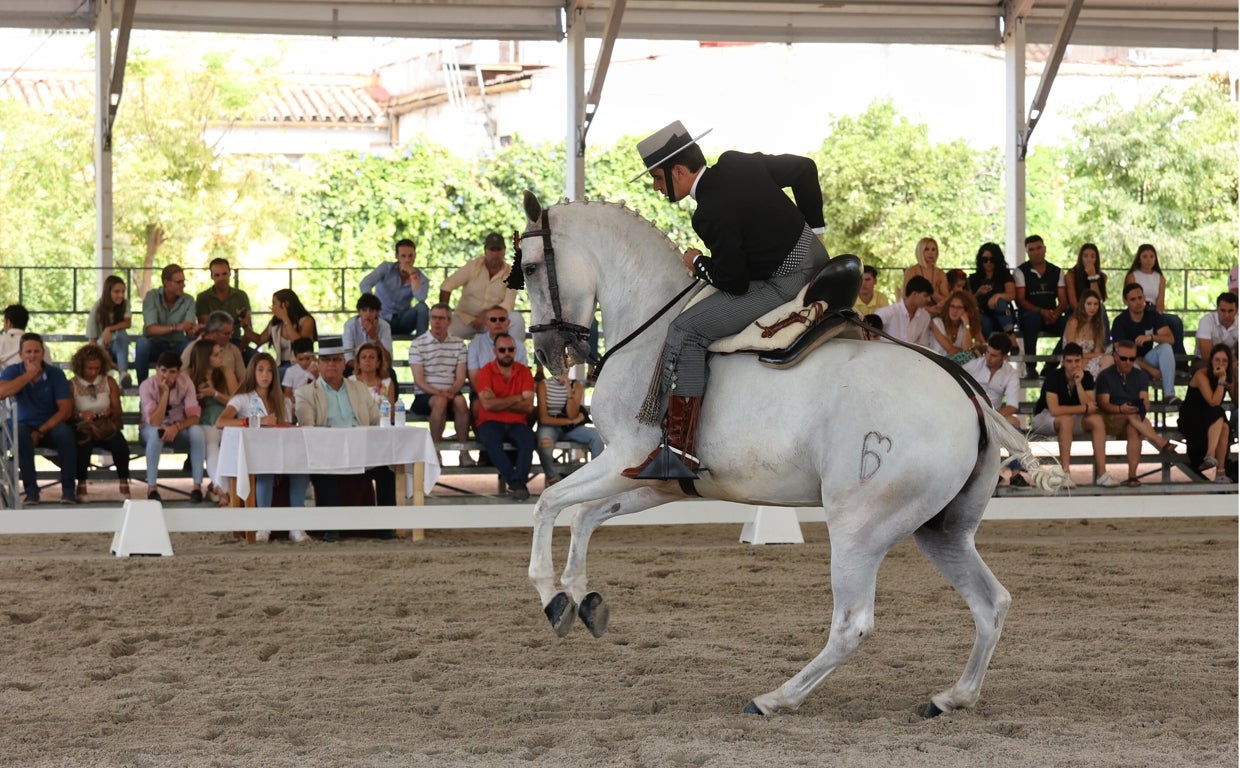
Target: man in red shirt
(506, 389)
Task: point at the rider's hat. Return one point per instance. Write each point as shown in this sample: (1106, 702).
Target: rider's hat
(664, 144)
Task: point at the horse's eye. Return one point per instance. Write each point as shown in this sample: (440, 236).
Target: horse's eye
(530, 269)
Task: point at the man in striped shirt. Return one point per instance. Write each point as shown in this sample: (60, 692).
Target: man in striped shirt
(438, 364)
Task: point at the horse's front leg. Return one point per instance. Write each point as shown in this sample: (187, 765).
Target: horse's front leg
(542, 567)
(592, 609)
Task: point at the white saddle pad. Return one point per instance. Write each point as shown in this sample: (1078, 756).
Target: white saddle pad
(755, 337)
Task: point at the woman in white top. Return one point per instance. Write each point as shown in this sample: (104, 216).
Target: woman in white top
(108, 324)
(97, 399)
(260, 394)
(562, 417)
(1087, 327)
(958, 333)
(372, 370)
(289, 322)
(1147, 273)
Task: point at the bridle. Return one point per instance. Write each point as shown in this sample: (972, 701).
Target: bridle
(574, 336)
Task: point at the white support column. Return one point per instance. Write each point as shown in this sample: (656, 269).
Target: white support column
(575, 75)
(103, 148)
(1015, 105)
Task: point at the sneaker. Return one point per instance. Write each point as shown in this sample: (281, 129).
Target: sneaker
(195, 496)
(1106, 481)
(154, 496)
(1172, 402)
(1209, 463)
(1222, 479)
(262, 537)
(31, 501)
(126, 381)
(298, 536)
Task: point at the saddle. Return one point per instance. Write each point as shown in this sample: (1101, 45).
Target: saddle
(784, 336)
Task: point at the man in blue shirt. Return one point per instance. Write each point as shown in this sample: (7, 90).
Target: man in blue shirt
(1143, 325)
(44, 407)
(402, 288)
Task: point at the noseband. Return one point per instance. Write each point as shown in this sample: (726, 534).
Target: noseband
(575, 336)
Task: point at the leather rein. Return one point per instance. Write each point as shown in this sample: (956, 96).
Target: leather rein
(574, 336)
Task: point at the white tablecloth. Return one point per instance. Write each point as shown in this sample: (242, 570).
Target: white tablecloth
(325, 451)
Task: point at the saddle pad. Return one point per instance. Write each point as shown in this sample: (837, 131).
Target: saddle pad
(751, 339)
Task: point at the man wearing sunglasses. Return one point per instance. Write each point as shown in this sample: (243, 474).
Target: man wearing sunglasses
(1123, 396)
(505, 390)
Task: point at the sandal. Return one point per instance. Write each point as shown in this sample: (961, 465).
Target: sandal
(1168, 448)
(123, 487)
(1132, 482)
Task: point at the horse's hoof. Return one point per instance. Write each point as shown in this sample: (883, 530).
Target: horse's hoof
(931, 710)
(560, 613)
(594, 614)
(752, 709)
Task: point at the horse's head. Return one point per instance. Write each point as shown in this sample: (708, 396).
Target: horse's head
(560, 282)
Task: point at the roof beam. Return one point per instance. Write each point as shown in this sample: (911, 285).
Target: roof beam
(1066, 25)
(614, 15)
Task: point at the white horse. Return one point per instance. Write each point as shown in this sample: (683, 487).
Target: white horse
(880, 436)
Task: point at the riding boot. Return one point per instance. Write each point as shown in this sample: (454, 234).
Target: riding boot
(675, 458)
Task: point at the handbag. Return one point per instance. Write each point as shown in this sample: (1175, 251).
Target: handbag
(95, 430)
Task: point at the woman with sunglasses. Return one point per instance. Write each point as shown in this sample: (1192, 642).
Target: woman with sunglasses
(995, 289)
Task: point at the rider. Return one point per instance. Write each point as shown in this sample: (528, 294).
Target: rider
(763, 251)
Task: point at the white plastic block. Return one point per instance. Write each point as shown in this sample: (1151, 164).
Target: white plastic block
(773, 525)
(143, 530)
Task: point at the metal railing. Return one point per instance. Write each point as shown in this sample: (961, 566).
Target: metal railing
(9, 489)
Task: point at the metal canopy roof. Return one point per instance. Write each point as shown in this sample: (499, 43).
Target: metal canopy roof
(1202, 24)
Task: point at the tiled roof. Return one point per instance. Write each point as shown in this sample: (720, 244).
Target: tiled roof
(352, 101)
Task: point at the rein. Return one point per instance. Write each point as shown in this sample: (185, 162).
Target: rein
(575, 336)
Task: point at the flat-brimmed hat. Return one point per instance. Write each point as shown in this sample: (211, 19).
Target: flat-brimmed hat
(664, 144)
(331, 345)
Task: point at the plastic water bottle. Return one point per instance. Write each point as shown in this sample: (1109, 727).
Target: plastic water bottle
(400, 412)
(385, 414)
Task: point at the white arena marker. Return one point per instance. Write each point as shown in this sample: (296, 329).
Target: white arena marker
(143, 531)
(773, 525)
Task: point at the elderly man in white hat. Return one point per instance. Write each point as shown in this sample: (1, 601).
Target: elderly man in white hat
(763, 249)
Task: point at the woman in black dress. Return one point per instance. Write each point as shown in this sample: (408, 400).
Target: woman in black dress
(1203, 422)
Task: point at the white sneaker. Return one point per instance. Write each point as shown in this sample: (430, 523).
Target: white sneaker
(297, 536)
(1106, 481)
(262, 537)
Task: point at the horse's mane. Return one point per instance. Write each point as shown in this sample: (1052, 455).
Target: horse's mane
(621, 206)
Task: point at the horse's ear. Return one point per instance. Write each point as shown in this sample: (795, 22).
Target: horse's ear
(533, 209)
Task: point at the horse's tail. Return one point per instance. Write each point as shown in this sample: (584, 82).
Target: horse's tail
(1048, 478)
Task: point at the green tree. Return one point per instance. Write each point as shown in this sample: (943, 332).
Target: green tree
(886, 185)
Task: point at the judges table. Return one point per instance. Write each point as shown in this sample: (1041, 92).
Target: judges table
(245, 452)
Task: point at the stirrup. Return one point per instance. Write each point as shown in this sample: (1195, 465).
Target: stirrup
(667, 464)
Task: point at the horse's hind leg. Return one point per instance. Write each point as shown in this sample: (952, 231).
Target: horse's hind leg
(952, 550)
(854, 573)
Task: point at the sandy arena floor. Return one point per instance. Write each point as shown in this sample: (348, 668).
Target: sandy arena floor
(1120, 650)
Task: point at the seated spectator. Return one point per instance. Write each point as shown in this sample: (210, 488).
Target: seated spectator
(373, 371)
(1086, 275)
(561, 417)
(994, 288)
(999, 380)
(218, 329)
(1146, 272)
(289, 322)
(483, 284)
(907, 319)
(957, 280)
(874, 323)
(1123, 396)
(306, 370)
(223, 297)
(1067, 409)
(108, 324)
(334, 401)
(1203, 422)
(927, 253)
(260, 395)
(44, 408)
(1087, 329)
(168, 320)
(97, 415)
(401, 289)
(366, 326)
(482, 350)
(506, 390)
(1218, 327)
(1041, 299)
(869, 298)
(957, 333)
(15, 320)
(214, 384)
(170, 414)
(1141, 324)
(438, 362)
